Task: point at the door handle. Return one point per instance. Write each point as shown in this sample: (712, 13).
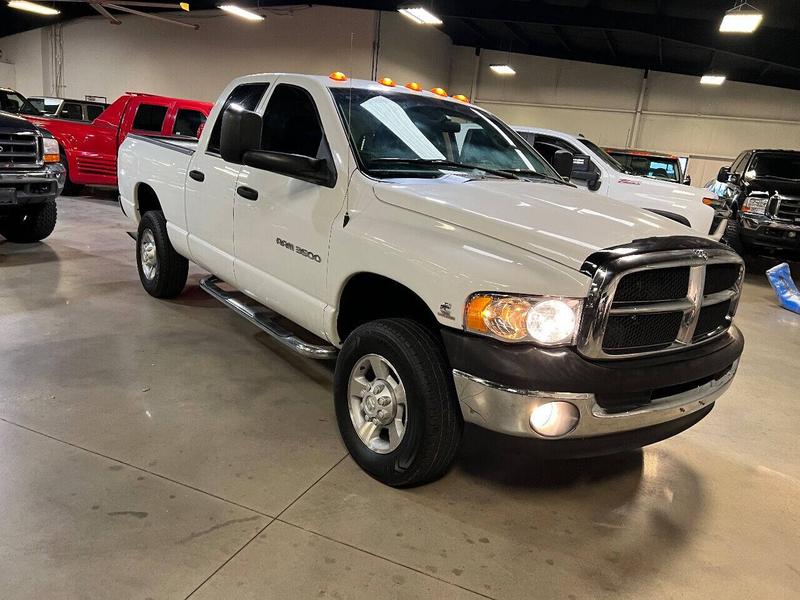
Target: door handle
(197, 175)
(247, 193)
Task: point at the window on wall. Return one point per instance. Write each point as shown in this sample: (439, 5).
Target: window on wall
(188, 122)
(247, 96)
(149, 117)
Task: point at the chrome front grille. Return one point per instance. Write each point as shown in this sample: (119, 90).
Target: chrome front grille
(643, 304)
(788, 209)
(20, 149)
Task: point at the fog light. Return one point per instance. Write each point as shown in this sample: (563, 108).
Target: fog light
(554, 419)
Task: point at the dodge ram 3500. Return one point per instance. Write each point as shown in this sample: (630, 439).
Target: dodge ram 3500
(30, 178)
(445, 266)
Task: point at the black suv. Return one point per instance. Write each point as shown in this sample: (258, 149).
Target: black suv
(764, 190)
(31, 177)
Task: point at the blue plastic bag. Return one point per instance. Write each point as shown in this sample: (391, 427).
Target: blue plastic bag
(780, 278)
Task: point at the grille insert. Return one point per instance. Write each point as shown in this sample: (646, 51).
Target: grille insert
(642, 332)
(788, 209)
(712, 318)
(721, 277)
(653, 285)
(18, 149)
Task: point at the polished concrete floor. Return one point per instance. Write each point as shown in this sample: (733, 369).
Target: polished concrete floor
(153, 449)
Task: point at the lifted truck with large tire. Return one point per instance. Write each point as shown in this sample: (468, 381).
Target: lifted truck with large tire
(447, 268)
(31, 177)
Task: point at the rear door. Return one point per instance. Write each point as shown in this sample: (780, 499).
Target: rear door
(210, 187)
(281, 236)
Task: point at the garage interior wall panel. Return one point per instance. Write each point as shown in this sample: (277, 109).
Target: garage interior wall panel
(25, 51)
(411, 52)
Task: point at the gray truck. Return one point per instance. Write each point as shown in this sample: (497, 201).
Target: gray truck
(31, 176)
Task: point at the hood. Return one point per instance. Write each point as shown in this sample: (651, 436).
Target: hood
(672, 197)
(772, 185)
(559, 222)
(10, 121)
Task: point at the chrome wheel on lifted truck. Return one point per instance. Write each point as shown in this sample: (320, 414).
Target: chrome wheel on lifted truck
(30, 177)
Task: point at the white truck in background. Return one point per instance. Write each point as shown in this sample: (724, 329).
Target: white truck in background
(599, 172)
(447, 268)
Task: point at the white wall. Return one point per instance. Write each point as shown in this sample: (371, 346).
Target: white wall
(8, 75)
(24, 50)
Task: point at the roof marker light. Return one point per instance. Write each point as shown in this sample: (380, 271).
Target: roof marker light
(413, 85)
(461, 98)
(387, 81)
(439, 91)
(338, 76)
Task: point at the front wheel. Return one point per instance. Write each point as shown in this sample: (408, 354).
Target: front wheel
(33, 225)
(733, 238)
(396, 403)
(162, 270)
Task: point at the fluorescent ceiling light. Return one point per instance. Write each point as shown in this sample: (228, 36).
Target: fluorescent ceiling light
(241, 12)
(33, 7)
(712, 79)
(503, 69)
(741, 19)
(420, 15)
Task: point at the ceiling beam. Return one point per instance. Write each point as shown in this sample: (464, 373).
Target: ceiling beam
(612, 47)
(562, 38)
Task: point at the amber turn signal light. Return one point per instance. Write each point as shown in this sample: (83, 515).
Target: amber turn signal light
(338, 76)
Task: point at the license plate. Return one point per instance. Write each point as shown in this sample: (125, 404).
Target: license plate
(8, 196)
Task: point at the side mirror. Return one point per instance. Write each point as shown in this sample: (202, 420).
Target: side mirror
(305, 168)
(687, 180)
(240, 133)
(562, 163)
(723, 174)
(593, 183)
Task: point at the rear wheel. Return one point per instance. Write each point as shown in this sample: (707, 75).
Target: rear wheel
(35, 224)
(162, 270)
(70, 189)
(396, 403)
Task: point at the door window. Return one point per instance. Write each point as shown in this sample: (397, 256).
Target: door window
(72, 111)
(291, 123)
(149, 117)
(738, 164)
(188, 122)
(93, 111)
(247, 96)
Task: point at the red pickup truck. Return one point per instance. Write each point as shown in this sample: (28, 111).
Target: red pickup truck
(89, 150)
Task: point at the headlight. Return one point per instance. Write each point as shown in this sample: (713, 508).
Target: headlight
(545, 320)
(51, 151)
(755, 205)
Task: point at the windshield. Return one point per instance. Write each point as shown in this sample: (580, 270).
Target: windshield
(656, 167)
(603, 155)
(395, 134)
(780, 166)
(16, 103)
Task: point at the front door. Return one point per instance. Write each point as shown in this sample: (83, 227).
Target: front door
(282, 224)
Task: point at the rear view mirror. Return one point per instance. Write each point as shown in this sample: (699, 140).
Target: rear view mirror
(562, 163)
(305, 168)
(724, 174)
(581, 163)
(593, 183)
(240, 133)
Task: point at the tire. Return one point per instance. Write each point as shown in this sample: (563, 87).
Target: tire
(433, 422)
(165, 277)
(33, 225)
(70, 189)
(733, 239)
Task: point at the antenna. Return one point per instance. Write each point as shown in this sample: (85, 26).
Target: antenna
(349, 133)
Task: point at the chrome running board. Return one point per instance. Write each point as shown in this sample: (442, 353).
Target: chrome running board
(267, 321)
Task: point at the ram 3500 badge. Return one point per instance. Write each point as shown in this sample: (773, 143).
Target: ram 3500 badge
(459, 277)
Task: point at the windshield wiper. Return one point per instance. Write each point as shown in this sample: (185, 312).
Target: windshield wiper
(532, 173)
(437, 162)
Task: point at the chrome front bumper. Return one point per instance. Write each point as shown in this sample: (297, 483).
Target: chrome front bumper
(508, 410)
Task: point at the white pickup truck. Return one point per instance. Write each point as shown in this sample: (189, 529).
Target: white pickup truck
(599, 172)
(447, 268)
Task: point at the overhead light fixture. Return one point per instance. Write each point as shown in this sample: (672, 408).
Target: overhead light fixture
(742, 18)
(712, 79)
(241, 12)
(33, 7)
(503, 69)
(420, 15)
